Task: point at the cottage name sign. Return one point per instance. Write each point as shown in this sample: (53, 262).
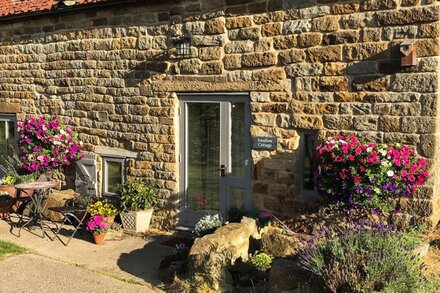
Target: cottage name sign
(264, 143)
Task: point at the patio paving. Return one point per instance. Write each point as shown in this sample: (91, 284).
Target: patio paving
(133, 258)
(33, 273)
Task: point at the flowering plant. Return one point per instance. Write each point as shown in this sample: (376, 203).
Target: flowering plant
(102, 207)
(206, 223)
(367, 174)
(8, 180)
(47, 144)
(97, 225)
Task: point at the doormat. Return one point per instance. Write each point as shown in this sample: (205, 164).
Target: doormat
(177, 241)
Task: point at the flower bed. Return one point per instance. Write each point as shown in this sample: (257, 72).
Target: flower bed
(368, 175)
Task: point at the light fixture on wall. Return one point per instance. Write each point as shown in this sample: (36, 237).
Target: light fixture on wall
(183, 46)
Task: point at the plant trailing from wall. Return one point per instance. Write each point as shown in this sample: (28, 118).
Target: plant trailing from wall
(135, 195)
(47, 143)
(370, 175)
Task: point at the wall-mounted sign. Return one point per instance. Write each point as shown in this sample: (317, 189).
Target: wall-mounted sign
(264, 143)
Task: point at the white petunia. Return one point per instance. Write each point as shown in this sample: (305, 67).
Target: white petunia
(390, 173)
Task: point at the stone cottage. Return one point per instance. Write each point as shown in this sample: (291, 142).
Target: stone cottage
(219, 103)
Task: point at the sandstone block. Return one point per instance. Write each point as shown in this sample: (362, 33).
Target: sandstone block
(407, 16)
(355, 108)
(239, 47)
(345, 8)
(297, 26)
(429, 104)
(389, 124)
(428, 47)
(263, 45)
(291, 56)
(306, 84)
(426, 82)
(314, 11)
(215, 26)
(337, 122)
(325, 24)
(271, 29)
(400, 32)
(405, 109)
(367, 5)
(264, 119)
(376, 83)
(357, 20)
(232, 61)
(429, 30)
(306, 122)
(334, 68)
(258, 59)
(190, 66)
(427, 146)
(238, 22)
(309, 39)
(247, 33)
(418, 125)
(371, 34)
(285, 42)
(210, 68)
(364, 123)
(210, 53)
(333, 84)
(365, 51)
(325, 54)
(272, 74)
(215, 40)
(304, 69)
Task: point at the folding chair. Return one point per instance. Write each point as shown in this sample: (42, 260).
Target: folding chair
(70, 216)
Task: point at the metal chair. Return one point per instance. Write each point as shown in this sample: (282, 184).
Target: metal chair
(72, 215)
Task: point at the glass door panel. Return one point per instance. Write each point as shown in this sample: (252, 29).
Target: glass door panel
(203, 157)
(238, 139)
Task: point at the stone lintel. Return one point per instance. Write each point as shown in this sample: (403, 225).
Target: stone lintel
(10, 108)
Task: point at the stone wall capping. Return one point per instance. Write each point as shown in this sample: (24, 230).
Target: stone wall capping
(115, 152)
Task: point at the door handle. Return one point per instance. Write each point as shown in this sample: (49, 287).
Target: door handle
(222, 170)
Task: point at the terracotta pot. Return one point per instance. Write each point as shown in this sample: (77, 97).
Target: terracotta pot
(99, 238)
(9, 189)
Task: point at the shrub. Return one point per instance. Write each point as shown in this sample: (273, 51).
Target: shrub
(136, 195)
(368, 175)
(46, 144)
(363, 259)
(262, 261)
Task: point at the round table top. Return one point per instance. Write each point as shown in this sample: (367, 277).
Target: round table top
(37, 185)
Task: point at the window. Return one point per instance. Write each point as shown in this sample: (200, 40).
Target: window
(308, 145)
(113, 174)
(8, 126)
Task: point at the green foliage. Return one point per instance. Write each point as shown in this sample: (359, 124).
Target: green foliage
(135, 195)
(262, 261)
(235, 215)
(366, 260)
(8, 248)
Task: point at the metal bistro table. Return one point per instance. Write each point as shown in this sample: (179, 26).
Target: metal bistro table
(40, 190)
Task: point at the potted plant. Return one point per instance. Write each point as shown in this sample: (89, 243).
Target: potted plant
(105, 208)
(136, 199)
(208, 224)
(98, 226)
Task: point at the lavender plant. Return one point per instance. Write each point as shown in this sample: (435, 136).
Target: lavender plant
(365, 258)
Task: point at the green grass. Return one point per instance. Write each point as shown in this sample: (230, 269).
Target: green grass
(8, 249)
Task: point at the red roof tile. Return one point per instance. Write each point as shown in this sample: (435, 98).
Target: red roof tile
(14, 7)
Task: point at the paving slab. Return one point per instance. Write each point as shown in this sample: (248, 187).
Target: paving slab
(33, 273)
(133, 258)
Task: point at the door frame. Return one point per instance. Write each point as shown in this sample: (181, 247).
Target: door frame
(225, 126)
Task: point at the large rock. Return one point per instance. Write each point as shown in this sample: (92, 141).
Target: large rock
(286, 274)
(277, 244)
(57, 198)
(211, 254)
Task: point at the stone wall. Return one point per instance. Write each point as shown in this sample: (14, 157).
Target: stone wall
(318, 65)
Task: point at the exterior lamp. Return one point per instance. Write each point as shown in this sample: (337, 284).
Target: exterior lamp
(183, 46)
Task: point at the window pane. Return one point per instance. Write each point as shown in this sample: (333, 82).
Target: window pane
(114, 175)
(203, 161)
(238, 139)
(308, 172)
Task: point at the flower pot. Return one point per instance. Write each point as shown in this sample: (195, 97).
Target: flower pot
(9, 189)
(99, 238)
(138, 222)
